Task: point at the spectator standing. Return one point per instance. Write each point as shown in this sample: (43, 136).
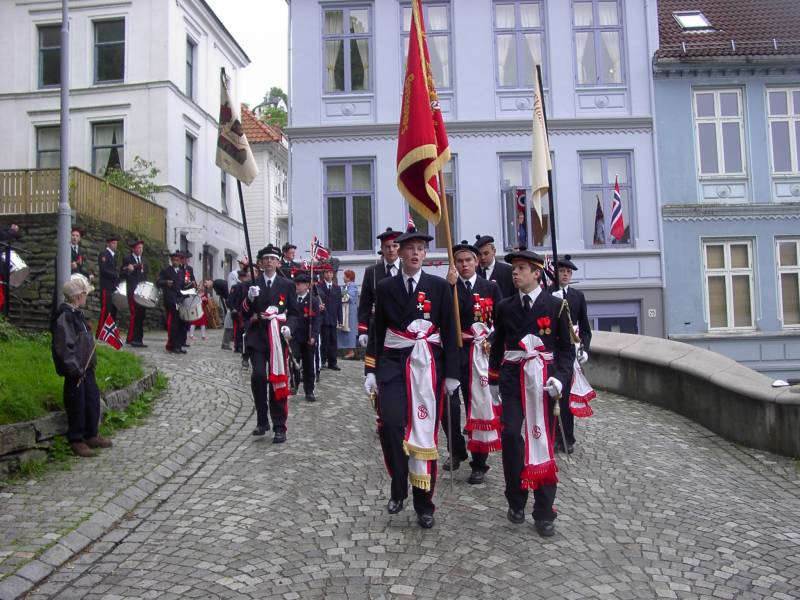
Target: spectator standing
(349, 328)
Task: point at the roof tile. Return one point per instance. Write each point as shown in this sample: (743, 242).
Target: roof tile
(256, 130)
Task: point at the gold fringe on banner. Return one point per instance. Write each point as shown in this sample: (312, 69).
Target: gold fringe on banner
(420, 453)
(422, 482)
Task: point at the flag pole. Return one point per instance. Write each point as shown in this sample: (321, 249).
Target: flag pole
(449, 240)
(550, 203)
(246, 233)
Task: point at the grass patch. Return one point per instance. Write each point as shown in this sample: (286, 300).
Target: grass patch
(136, 412)
(29, 385)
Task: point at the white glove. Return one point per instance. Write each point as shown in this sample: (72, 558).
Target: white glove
(494, 390)
(553, 387)
(253, 292)
(451, 384)
(370, 385)
(583, 356)
(286, 332)
(559, 294)
(362, 340)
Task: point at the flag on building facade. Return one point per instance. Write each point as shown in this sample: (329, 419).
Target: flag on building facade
(540, 159)
(233, 152)
(599, 225)
(422, 146)
(318, 251)
(110, 334)
(617, 222)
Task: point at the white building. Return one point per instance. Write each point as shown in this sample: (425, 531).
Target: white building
(144, 81)
(265, 199)
(347, 62)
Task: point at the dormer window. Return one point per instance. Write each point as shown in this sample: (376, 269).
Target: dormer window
(692, 20)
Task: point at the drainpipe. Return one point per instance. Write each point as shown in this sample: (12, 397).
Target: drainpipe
(64, 212)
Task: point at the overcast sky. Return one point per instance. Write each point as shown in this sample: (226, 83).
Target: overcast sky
(261, 28)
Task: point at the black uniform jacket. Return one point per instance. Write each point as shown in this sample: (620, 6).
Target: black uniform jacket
(579, 315)
(107, 265)
(282, 295)
(373, 275)
(308, 316)
(513, 322)
(394, 308)
(332, 299)
(286, 268)
(135, 277)
(171, 293)
(466, 306)
(77, 257)
(236, 296)
(501, 275)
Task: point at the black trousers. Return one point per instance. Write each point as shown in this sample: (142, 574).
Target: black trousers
(106, 308)
(264, 395)
(174, 327)
(478, 461)
(330, 344)
(304, 354)
(513, 462)
(238, 333)
(566, 417)
(136, 326)
(82, 405)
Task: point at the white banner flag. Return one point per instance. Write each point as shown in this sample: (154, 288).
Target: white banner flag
(540, 160)
(233, 152)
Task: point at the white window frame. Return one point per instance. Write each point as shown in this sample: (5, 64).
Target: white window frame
(791, 270)
(346, 37)
(448, 33)
(793, 118)
(728, 272)
(191, 67)
(190, 142)
(718, 120)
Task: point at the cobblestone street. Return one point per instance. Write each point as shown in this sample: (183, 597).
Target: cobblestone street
(190, 505)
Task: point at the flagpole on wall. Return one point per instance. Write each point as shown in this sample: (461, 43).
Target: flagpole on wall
(551, 204)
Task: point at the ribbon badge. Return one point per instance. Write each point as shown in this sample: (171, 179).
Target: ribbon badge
(544, 325)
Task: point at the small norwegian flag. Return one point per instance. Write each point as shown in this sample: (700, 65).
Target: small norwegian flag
(318, 251)
(410, 226)
(110, 334)
(617, 223)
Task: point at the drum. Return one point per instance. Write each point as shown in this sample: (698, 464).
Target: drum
(120, 297)
(146, 294)
(191, 308)
(19, 270)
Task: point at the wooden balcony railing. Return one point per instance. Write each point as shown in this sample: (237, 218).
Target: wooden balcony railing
(36, 191)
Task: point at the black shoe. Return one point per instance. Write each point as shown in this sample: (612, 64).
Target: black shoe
(425, 520)
(451, 464)
(245, 362)
(311, 397)
(545, 528)
(516, 516)
(172, 351)
(335, 368)
(237, 351)
(260, 430)
(182, 351)
(280, 437)
(394, 507)
(224, 347)
(137, 345)
(570, 448)
(476, 477)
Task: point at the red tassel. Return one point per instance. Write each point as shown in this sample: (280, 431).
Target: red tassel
(534, 476)
(485, 447)
(483, 425)
(581, 410)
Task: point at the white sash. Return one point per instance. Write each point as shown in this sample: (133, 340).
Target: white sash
(581, 392)
(421, 430)
(540, 465)
(483, 420)
(278, 368)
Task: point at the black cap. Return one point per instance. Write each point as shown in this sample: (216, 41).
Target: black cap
(287, 246)
(176, 254)
(482, 240)
(465, 245)
(522, 253)
(389, 234)
(566, 261)
(112, 238)
(186, 254)
(302, 277)
(135, 243)
(243, 272)
(413, 234)
(269, 250)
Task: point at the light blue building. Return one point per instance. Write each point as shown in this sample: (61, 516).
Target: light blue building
(727, 84)
(347, 61)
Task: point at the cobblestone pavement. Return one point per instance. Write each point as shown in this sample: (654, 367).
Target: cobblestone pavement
(651, 506)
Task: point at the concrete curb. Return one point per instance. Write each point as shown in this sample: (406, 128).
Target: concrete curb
(715, 391)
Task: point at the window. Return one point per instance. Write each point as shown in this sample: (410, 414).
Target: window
(48, 147)
(223, 191)
(720, 127)
(519, 42)
(349, 195)
(519, 219)
(598, 176)
(597, 26)
(49, 55)
(190, 52)
(109, 51)
(107, 147)
(617, 317)
(692, 20)
(438, 231)
(346, 41)
(189, 166)
(789, 281)
(729, 284)
(437, 29)
(784, 130)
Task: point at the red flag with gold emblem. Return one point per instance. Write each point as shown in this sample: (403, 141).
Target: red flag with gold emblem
(422, 146)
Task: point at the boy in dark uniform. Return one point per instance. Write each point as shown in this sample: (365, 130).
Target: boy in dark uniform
(235, 298)
(170, 281)
(489, 268)
(529, 366)
(134, 272)
(305, 332)
(109, 280)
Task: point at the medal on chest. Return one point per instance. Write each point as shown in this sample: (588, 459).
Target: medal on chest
(544, 325)
(423, 305)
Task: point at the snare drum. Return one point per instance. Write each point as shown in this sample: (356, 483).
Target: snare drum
(191, 309)
(120, 297)
(146, 294)
(19, 270)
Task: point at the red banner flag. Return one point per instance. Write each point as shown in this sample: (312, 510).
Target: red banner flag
(422, 146)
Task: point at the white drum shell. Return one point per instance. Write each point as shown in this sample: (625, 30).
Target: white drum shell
(191, 309)
(146, 294)
(19, 270)
(120, 297)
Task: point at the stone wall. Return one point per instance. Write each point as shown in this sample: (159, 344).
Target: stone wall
(32, 301)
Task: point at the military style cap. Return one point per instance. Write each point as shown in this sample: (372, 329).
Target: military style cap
(389, 234)
(288, 246)
(112, 238)
(135, 243)
(302, 278)
(269, 250)
(176, 254)
(522, 253)
(413, 234)
(482, 240)
(566, 261)
(465, 245)
(185, 254)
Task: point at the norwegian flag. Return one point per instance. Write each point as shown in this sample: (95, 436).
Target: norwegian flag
(318, 251)
(617, 223)
(110, 334)
(410, 226)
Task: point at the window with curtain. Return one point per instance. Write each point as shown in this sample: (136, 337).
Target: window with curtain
(437, 29)
(519, 42)
(783, 108)
(719, 130)
(788, 251)
(438, 231)
(729, 283)
(519, 217)
(598, 31)
(191, 49)
(109, 51)
(346, 43)
(49, 55)
(48, 147)
(599, 172)
(188, 185)
(349, 199)
(107, 147)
